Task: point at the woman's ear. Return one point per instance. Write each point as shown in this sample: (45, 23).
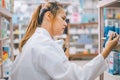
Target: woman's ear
(48, 15)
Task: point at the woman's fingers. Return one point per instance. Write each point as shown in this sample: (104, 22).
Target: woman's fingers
(117, 38)
(111, 36)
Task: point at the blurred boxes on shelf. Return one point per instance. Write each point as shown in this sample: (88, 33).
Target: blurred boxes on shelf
(119, 63)
(112, 25)
(114, 63)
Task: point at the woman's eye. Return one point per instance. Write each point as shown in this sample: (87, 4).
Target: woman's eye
(63, 18)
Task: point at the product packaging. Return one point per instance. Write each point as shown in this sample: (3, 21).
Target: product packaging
(113, 63)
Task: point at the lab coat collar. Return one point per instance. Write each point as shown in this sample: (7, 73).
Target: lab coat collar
(43, 31)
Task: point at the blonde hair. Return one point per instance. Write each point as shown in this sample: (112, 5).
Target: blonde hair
(36, 20)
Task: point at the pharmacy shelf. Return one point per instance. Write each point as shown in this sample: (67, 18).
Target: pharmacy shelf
(109, 3)
(81, 55)
(83, 24)
(36, 3)
(93, 33)
(105, 4)
(74, 32)
(89, 8)
(75, 43)
(112, 77)
(16, 41)
(5, 13)
(6, 38)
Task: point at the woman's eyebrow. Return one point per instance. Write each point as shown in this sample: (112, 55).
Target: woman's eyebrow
(64, 17)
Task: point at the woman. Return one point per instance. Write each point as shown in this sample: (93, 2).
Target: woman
(42, 58)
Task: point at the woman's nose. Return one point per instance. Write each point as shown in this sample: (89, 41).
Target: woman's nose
(65, 23)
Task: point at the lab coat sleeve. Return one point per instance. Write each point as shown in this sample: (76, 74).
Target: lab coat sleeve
(59, 68)
(94, 68)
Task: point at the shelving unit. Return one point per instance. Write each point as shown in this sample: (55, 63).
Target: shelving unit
(78, 49)
(89, 7)
(18, 32)
(101, 6)
(7, 15)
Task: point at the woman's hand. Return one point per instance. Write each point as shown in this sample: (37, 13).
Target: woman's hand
(111, 43)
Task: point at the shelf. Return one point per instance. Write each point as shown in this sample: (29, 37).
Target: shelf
(16, 41)
(75, 43)
(83, 24)
(88, 33)
(109, 3)
(90, 9)
(83, 50)
(37, 3)
(115, 77)
(5, 13)
(80, 56)
(112, 4)
(6, 38)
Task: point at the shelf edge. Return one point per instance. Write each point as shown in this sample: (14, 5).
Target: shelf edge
(6, 38)
(104, 3)
(5, 13)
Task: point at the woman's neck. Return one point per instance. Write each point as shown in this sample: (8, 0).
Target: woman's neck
(48, 28)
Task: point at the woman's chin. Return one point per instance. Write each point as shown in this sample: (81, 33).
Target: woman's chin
(58, 34)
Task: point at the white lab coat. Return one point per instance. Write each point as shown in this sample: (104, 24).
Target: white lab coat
(43, 59)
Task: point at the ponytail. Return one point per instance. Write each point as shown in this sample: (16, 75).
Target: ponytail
(31, 27)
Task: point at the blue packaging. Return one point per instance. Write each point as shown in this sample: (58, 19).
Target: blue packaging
(113, 63)
(119, 63)
(116, 28)
(109, 26)
(105, 41)
(119, 70)
(106, 29)
(119, 25)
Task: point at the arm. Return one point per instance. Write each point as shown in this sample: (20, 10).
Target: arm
(110, 45)
(59, 68)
